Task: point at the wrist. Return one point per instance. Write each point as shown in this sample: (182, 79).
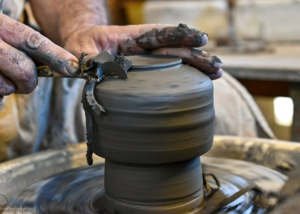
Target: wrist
(77, 17)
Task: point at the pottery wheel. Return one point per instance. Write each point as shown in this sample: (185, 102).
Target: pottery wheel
(81, 190)
(157, 124)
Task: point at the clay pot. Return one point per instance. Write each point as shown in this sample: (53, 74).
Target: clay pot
(162, 113)
(157, 123)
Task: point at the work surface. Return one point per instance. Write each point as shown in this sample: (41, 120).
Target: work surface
(271, 73)
(281, 64)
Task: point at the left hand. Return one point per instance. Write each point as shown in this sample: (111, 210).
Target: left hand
(20, 46)
(179, 41)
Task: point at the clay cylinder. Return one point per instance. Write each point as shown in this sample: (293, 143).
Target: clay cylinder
(162, 113)
(160, 189)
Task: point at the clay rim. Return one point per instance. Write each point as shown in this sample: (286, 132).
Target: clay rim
(153, 61)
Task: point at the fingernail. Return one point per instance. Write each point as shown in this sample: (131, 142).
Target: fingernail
(217, 62)
(204, 39)
(72, 67)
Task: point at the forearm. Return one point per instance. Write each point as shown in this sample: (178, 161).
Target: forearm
(60, 19)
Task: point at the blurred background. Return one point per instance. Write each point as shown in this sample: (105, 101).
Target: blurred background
(257, 40)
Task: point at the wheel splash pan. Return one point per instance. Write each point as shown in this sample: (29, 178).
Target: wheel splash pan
(24, 180)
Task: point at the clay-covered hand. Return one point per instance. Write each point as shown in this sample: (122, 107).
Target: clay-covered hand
(19, 46)
(180, 41)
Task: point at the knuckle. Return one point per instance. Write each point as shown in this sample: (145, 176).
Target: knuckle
(34, 41)
(18, 58)
(25, 76)
(18, 27)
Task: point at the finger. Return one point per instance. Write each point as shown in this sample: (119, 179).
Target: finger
(136, 39)
(195, 57)
(170, 36)
(88, 59)
(7, 87)
(18, 68)
(37, 46)
(217, 75)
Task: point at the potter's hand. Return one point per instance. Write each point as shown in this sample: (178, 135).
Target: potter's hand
(20, 44)
(140, 39)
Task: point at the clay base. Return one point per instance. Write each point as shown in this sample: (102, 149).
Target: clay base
(153, 189)
(192, 204)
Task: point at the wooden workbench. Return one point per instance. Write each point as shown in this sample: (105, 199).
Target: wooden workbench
(274, 73)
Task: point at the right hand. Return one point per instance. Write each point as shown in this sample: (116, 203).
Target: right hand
(160, 39)
(19, 46)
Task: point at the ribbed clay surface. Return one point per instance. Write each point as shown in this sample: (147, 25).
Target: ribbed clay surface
(154, 117)
(153, 189)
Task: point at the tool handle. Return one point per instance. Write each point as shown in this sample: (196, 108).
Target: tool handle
(45, 71)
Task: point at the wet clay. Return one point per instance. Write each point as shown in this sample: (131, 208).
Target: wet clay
(181, 35)
(206, 60)
(156, 124)
(153, 189)
(178, 41)
(154, 117)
